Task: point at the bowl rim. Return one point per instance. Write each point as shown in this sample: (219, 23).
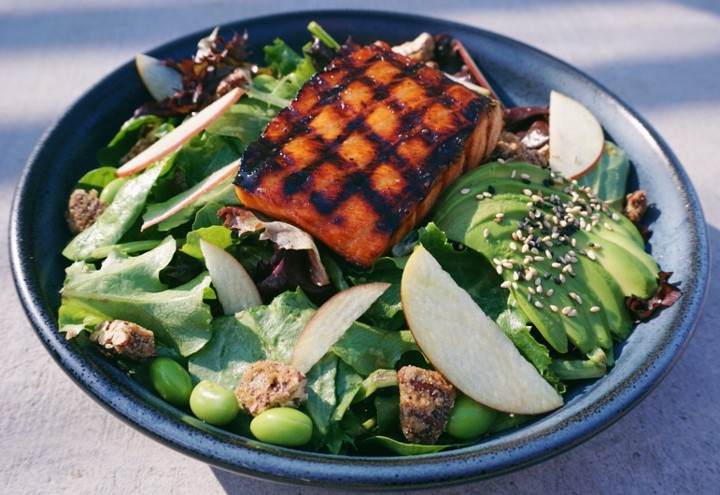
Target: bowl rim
(532, 444)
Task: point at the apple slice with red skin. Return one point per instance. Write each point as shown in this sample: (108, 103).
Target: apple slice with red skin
(577, 140)
(331, 321)
(181, 134)
(235, 289)
(465, 345)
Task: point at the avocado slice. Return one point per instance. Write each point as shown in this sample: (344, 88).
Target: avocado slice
(568, 259)
(518, 177)
(536, 296)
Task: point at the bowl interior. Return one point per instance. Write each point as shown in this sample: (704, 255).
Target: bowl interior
(522, 76)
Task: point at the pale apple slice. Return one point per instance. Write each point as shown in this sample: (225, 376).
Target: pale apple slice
(181, 134)
(331, 321)
(186, 198)
(159, 79)
(465, 345)
(576, 137)
(235, 289)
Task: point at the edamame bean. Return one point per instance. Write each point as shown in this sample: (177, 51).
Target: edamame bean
(213, 403)
(171, 381)
(111, 189)
(469, 419)
(282, 426)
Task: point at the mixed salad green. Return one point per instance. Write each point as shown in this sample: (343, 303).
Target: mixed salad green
(141, 261)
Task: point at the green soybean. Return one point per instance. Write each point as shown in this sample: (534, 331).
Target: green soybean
(171, 381)
(282, 426)
(111, 189)
(469, 419)
(213, 403)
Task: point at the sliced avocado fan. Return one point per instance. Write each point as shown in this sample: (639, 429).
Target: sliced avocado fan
(568, 259)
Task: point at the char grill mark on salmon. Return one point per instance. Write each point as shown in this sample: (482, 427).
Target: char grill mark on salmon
(363, 151)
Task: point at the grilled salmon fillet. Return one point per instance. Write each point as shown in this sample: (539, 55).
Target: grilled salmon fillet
(363, 151)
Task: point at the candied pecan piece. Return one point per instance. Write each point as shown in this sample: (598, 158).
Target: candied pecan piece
(237, 78)
(126, 338)
(510, 148)
(83, 209)
(636, 205)
(421, 49)
(426, 399)
(268, 384)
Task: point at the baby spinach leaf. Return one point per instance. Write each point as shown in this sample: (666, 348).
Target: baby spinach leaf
(321, 393)
(366, 348)
(388, 444)
(514, 323)
(386, 311)
(132, 131)
(387, 410)
(348, 383)
(117, 218)
(204, 154)
(97, 178)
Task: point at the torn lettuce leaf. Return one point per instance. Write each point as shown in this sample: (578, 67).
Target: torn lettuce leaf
(263, 332)
(367, 349)
(267, 333)
(129, 288)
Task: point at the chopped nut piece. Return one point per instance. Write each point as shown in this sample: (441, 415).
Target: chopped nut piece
(426, 399)
(126, 338)
(83, 209)
(635, 205)
(237, 78)
(511, 149)
(268, 384)
(421, 49)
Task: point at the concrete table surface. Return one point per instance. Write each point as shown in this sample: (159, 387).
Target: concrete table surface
(660, 57)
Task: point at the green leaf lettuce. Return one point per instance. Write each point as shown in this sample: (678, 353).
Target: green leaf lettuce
(129, 288)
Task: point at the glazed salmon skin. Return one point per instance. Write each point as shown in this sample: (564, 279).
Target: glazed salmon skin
(364, 150)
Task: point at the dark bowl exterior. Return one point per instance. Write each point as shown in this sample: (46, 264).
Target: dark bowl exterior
(522, 76)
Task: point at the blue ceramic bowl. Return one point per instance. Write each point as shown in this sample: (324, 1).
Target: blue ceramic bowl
(523, 76)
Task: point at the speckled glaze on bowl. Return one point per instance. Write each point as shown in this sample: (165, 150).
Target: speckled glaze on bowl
(522, 76)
